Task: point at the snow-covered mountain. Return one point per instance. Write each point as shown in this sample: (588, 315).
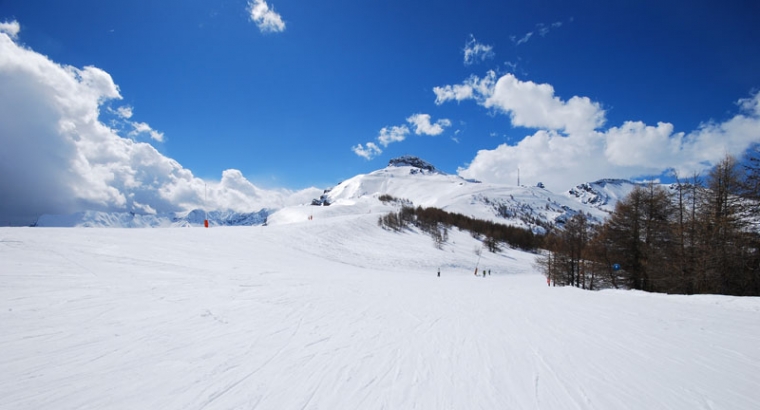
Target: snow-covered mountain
(421, 184)
(602, 194)
(407, 178)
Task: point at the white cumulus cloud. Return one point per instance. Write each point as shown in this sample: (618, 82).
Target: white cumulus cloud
(389, 135)
(267, 20)
(528, 104)
(368, 151)
(422, 124)
(57, 157)
(572, 146)
(473, 88)
(398, 133)
(11, 28)
(143, 128)
(124, 112)
(535, 106)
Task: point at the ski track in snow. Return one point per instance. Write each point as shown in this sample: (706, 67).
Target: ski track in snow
(343, 315)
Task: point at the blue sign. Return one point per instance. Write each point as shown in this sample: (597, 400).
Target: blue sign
(616, 267)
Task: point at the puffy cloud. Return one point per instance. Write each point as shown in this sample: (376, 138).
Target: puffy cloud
(235, 188)
(11, 28)
(535, 106)
(635, 143)
(422, 124)
(143, 128)
(265, 18)
(476, 52)
(368, 151)
(528, 104)
(389, 135)
(750, 105)
(473, 88)
(124, 112)
(47, 112)
(59, 158)
(571, 146)
(634, 149)
(546, 156)
(392, 134)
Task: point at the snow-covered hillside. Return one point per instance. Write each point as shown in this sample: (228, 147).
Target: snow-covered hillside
(419, 182)
(337, 313)
(602, 194)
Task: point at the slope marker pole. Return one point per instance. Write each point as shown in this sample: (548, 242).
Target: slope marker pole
(205, 210)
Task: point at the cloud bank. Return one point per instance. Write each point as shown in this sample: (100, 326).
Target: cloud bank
(266, 19)
(572, 145)
(58, 157)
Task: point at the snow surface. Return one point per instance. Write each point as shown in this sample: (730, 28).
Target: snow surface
(337, 313)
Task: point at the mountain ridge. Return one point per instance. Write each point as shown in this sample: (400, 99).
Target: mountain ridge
(407, 177)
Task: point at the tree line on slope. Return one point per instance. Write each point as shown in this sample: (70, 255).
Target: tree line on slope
(437, 222)
(699, 236)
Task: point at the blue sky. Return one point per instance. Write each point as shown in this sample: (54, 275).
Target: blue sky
(289, 93)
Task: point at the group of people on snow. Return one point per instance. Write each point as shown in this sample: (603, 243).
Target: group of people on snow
(484, 272)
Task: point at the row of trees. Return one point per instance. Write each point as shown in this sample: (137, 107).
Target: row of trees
(437, 222)
(698, 236)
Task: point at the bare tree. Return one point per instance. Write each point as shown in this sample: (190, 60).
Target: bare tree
(722, 226)
(640, 237)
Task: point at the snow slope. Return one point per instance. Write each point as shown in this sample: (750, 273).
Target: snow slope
(336, 313)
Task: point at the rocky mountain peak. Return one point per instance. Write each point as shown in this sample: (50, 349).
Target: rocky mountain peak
(412, 161)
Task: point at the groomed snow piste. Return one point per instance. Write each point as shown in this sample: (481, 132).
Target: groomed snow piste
(336, 313)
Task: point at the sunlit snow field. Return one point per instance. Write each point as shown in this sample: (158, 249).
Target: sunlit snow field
(340, 314)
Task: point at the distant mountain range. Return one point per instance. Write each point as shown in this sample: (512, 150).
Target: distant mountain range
(133, 220)
(407, 178)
